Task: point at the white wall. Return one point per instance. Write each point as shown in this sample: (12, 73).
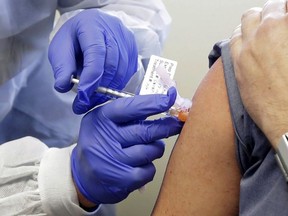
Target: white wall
(196, 26)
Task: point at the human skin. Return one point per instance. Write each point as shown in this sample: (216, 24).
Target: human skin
(83, 201)
(259, 49)
(202, 177)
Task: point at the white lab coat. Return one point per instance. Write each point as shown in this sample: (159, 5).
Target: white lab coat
(29, 105)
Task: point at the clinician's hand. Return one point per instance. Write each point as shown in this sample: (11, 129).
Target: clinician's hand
(98, 48)
(116, 146)
(260, 55)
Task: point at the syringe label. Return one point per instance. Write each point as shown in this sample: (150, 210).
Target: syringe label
(152, 84)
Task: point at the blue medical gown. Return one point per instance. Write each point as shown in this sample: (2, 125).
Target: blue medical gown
(29, 105)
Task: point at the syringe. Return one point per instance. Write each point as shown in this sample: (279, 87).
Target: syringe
(113, 93)
(181, 115)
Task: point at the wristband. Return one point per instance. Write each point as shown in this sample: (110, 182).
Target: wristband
(282, 155)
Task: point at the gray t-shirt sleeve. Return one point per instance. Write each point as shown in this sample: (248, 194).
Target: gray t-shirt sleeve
(263, 190)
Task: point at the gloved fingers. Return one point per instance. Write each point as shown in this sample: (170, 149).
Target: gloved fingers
(140, 154)
(124, 110)
(128, 60)
(121, 72)
(137, 177)
(111, 61)
(128, 66)
(125, 47)
(120, 186)
(62, 59)
(93, 47)
(149, 131)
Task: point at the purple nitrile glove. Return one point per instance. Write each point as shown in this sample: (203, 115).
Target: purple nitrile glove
(97, 48)
(117, 146)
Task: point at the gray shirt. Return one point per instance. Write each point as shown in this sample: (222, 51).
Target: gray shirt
(263, 189)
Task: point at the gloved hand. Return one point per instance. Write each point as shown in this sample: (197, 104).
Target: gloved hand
(116, 146)
(99, 49)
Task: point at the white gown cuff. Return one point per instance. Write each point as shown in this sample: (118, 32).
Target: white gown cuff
(56, 186)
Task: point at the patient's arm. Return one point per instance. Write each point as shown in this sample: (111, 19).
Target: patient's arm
(202, 177)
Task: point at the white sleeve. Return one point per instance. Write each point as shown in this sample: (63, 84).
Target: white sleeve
(147, 19)
(36, 180)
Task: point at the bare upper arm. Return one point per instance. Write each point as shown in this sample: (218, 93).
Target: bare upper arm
(202, 177)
